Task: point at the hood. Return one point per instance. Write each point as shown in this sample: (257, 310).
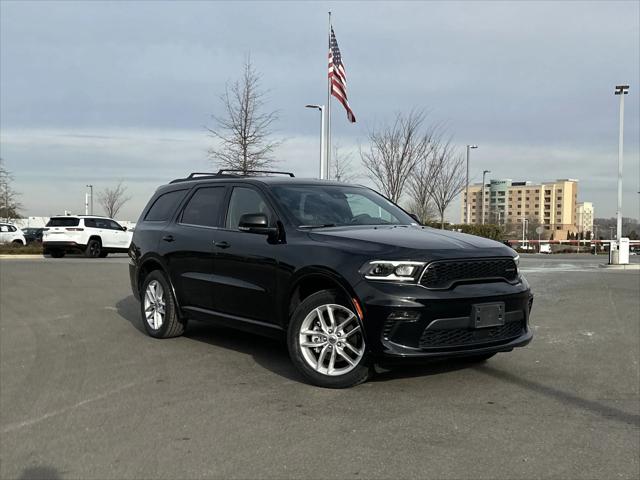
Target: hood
(412, 242)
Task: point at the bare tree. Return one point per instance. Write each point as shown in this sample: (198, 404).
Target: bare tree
(244, 131)
(449, 181)
(113, 199)
(394, 152)
(421, 183)
(341, 166)
(9, 205)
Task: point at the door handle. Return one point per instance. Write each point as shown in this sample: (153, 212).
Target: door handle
(168, 238)
(222, 244)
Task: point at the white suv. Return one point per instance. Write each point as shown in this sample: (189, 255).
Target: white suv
(11, 234)
(94, 236)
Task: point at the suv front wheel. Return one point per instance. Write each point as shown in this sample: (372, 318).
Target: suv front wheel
(326, 341)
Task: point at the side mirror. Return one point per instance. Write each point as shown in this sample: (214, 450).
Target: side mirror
(256, 223)
(124, 229)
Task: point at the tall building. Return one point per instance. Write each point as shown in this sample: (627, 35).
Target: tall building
(550, 204)
(584, 217)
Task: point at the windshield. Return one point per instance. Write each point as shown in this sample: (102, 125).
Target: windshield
(337, 205)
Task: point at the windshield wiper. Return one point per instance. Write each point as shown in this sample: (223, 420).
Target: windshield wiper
(323, 225)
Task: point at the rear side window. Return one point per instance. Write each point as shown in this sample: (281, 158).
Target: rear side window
(63, 222)
(204, 207)
(164, 206)
(89, 223)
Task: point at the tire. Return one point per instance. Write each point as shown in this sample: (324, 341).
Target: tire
(57, 253)
(326, 365)
(104, 254)
(18, 243)
(158, 307)
(94, 248)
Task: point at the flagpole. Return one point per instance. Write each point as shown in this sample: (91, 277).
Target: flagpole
(328, 130)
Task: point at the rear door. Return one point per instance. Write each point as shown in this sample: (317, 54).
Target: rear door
(245, 263)
(104, 231)
(187, 246)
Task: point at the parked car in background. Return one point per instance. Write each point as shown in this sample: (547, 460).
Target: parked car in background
(545, 248)
(11, 234)
(347, 277)
(33, 235)
(92, 235)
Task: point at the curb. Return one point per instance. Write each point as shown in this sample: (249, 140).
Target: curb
(22, 256)
(628, 266)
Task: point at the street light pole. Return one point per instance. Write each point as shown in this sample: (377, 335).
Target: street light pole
(484, 172)
(91, 190)
(324, 174)
(466, 206)
(621, 90)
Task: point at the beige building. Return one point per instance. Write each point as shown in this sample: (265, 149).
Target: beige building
(584, 217)
(552, 205)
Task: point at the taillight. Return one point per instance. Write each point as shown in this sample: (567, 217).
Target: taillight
(74, 229)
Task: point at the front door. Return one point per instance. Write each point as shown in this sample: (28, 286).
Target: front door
(245, 263)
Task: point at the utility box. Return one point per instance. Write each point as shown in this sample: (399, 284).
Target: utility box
(619, 252)
(623, 251)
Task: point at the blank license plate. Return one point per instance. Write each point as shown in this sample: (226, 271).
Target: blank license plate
(488, 315)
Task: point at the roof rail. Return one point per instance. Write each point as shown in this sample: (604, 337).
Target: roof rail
(225, 172)
(245, 173)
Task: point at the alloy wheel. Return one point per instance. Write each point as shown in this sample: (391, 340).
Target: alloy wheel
(154, 304)
(331, 340)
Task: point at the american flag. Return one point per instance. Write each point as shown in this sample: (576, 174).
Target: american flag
(338, 77)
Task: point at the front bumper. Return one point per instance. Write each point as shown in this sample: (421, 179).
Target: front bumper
(409, 321)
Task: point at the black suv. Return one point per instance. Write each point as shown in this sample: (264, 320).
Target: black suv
(348, 277)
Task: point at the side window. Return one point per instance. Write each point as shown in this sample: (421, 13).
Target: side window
(114, 225)
(89, 223)
(245, 200)
(100, 223)
(4, 228)
(12, 228)
(204, 207)
(164, 206)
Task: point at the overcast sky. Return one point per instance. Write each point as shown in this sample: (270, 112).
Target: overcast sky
(94, 92)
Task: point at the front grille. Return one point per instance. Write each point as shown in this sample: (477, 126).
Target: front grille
(444, 274)
(463, 337)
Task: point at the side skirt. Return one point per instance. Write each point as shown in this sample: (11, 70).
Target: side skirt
(233, 321)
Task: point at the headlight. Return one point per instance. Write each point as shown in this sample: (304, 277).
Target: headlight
(395, 271)
(516, 259)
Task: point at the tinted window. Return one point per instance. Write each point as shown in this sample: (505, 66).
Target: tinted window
(90, 223)
(164, 206)
(101, 223)
(243, 201)
(204, 207)
(63, 222)
(114, 225)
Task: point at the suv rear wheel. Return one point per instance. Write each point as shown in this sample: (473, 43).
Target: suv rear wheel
(159, 313)
(326, 341)
(94, 248)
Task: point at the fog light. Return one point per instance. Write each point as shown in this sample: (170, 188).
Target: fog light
(404, 316)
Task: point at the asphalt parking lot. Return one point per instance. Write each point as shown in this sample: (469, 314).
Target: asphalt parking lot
(85, 394)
